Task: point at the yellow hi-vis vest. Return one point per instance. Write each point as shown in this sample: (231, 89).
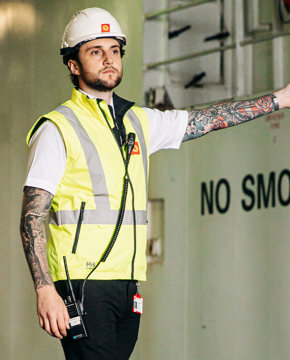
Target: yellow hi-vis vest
(86, 205)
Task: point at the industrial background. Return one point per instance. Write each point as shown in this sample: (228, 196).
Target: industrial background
(219, 231)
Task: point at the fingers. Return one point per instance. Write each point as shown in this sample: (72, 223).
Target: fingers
(62, 326)
(52, 312)
(41, 323)
(55, 325)
(66, 319)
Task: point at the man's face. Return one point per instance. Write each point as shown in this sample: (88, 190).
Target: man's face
(100, 65)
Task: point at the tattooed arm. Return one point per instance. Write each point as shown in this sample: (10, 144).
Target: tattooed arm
(36, 205)
(201, 122)
(52, 313)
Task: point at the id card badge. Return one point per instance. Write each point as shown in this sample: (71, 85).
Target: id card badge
(137, 301)
(138, 304)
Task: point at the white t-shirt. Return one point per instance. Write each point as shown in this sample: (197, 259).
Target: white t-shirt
(47, 154)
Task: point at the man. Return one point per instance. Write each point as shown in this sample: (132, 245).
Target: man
(87, 172)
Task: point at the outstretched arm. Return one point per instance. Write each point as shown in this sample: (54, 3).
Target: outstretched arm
(52, 313)
(201, 122)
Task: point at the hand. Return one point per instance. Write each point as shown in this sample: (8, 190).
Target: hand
(283, 97)
(52, 313)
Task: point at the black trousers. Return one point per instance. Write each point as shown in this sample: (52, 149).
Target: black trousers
(111, 324)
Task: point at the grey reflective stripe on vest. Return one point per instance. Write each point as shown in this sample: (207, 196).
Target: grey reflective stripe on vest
(99, 216)
(92, 157)
(135, 122)
(103, 214)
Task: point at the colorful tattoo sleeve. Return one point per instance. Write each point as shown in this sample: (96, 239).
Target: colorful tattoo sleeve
(202, 121)
(36, 205)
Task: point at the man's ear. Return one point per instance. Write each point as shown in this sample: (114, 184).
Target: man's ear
(74, 67)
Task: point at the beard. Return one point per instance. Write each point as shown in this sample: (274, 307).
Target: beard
(97, 83)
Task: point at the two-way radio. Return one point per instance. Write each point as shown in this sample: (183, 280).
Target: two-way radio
(75, 310)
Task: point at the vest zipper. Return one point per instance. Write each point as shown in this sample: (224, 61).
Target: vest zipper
(79, 225)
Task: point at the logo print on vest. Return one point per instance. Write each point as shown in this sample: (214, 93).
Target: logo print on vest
(105, 28)
(90, 264)
(136, 149)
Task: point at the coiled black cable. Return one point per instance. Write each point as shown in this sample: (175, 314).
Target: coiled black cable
(119, 222)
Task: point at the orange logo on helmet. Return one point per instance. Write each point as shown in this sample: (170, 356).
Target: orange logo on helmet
(105, 27)
(136, 149)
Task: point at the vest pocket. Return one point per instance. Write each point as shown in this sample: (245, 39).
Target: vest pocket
(79, 225)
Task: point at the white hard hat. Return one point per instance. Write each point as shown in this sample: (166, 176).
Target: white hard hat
(90, 24)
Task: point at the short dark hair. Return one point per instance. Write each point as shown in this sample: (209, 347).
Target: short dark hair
(73, 54)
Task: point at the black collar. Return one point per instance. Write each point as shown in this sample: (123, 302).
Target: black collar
(121, 106)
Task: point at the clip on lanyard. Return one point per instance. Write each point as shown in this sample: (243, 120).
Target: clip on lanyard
(137, 301)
